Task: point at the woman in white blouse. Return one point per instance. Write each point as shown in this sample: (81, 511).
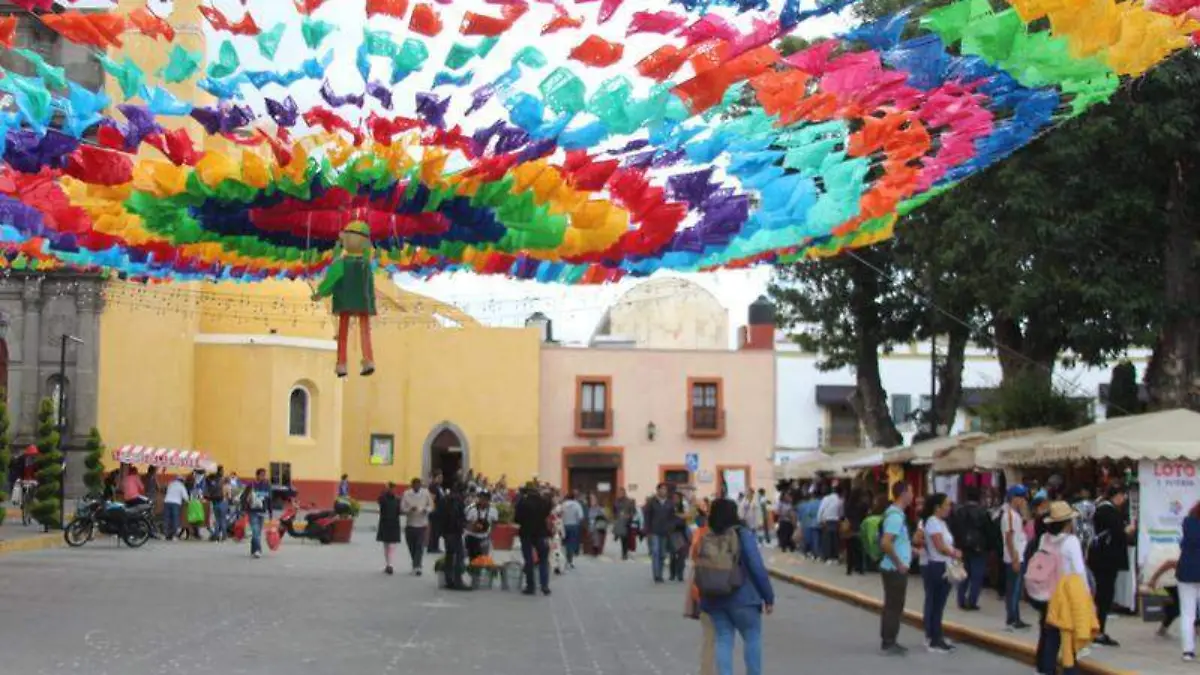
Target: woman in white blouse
(939, 553)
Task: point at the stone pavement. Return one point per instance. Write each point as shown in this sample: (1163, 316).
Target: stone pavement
(1140, 651)
(200, 608)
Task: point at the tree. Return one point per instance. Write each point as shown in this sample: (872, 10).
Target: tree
(47, 505)
(5, 449)
(1024, 402)
(1123, 391)
(93, 475)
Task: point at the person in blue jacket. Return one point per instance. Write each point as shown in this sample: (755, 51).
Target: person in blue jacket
(741, 611)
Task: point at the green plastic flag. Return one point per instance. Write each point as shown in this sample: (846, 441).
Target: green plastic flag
(563, 91)
(531, 57)
(54, 77)
(315, 31)
(268, 42)
(950, 22)
(181, 64)
(380, 43)
(410, 56)
(127, 73)
(227, 62)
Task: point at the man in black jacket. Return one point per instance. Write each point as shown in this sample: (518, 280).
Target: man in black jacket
(1109, 554)
(451, 515)
(658, 516)
(969, 525)
(531, 515)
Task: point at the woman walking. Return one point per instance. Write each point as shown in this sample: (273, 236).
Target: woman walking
(625, 512)
(742, 610)
(597, 524)
(786, 517)
(939, 553)
(1187, 583)
(1049, 588)
(388, 533)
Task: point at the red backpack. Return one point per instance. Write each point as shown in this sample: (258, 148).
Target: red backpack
(1044, 570)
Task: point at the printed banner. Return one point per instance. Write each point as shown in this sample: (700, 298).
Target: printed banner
(1167, 491)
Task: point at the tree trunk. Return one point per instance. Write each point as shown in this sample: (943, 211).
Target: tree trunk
(1171, 376)
(950, 373)
(870, 401)
(1024, 354)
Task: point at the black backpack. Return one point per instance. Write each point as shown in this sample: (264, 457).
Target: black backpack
(215, 493)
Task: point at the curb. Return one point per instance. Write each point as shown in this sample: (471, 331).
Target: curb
(991, 642)
(40, 542)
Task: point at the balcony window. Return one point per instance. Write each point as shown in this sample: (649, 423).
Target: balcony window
(706, 417)
(844, 428)
(593, 410)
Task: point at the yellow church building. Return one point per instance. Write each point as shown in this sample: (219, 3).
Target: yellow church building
(245, 374)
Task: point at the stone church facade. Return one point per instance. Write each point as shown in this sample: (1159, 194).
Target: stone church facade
(36, 311)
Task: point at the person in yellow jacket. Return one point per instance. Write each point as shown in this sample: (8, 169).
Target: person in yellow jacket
(1069, 622)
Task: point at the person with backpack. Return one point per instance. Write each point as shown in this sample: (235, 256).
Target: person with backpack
(872, 531)
(256, 503)
(939, 554)
(1012, 531)
(735, 590)
(1056, 584)
(214, 488)
(969, 525)
(1109, 554)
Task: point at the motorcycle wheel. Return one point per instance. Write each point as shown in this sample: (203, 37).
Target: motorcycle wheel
(78, 532)
(136, 533)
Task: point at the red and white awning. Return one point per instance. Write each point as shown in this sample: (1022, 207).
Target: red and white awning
(163, 457)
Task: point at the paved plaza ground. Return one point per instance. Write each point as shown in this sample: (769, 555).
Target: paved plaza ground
(202, 608)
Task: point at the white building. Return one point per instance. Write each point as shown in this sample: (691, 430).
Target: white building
(812, 409)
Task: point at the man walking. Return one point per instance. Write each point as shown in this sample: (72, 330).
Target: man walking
(658, 516)
(893, 568)
(1012, 533)
(969, 525)
(532, 515)
(436, 491)
(451, 520)
(572, 520)
(216, 502)
(1109, 555)
(416, 504)
(829, 515)
(256, 503)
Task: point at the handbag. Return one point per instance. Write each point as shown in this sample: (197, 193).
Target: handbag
(956, 572)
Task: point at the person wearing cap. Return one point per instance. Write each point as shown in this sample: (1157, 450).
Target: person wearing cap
(1012, 529)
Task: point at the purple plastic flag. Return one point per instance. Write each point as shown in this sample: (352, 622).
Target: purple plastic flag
(139, 123)
(336, 101)
(381, 93)
(433, 111)
(284, 113)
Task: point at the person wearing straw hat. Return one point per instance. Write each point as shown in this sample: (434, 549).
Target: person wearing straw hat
(1057, 583)
(350, 281)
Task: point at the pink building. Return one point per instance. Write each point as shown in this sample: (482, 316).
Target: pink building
(620, 416)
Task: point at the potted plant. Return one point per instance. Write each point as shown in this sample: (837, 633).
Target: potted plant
(348, 509)
(504, 532)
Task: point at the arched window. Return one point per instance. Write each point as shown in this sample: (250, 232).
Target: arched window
(298, 411)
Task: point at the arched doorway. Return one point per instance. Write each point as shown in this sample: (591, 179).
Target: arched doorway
(446, 451)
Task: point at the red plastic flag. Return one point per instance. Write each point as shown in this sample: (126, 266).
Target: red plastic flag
(308, 6)
(98, 29)
(99, 166)
(31, 5)
(425, 20)
(490, 26)
(396, 8)
(560, 21)
(655, 22)
(177, 146)
(598, 52)
(151, 25)
(218, 21)
(8, 31)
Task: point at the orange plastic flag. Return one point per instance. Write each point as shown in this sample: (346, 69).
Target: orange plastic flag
(425, 20)
(396, 8)
(218, 21)
(596, 51)
(8, 31)
(151, 25)
(560, 21)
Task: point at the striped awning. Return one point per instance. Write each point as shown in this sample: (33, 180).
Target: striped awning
(166, 458)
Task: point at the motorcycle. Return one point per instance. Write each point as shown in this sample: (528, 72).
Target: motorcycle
(317, 525)
(132, 524)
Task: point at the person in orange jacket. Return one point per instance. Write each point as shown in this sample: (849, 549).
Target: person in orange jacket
(708, 664)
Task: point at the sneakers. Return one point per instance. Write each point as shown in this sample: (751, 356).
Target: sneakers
(895, 650)
(940, 648)
(1017, 625)
(256, 555)
(388, 570)
(1161, 632)
(1189, 656)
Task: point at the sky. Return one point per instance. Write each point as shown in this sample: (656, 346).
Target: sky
(491, 299)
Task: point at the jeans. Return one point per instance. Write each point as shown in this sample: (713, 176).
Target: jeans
(1012, 599)
(542, 548)
(895, 592)
(1049, 642)
(829, 537)
(937, 592)
(454, 560)
(747, 622)
(812, 541)
(658, 550)
(219, 511)
(972, 586)
(571, 542)
(708, 644)
(256, 530)
(171, 513)
(415, 538)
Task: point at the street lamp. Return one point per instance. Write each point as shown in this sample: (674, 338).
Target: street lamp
(62, 421)
(651, 431)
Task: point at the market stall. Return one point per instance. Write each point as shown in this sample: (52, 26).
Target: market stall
(912, 464)
(1157, 453)
(978, 463)
(164, 458)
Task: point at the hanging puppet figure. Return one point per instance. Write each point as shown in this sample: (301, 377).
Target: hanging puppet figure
(351, 282)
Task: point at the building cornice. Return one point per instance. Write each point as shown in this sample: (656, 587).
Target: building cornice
(266, 341)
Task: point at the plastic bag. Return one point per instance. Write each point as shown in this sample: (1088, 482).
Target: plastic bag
(274, 536)
(239, 527)
(195, 512)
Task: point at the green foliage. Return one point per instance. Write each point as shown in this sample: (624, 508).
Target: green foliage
(1025, 401)
(5, 450)
(1123, 391)
(505, 513)
(47, 505)
(93, 476)
(355, 506)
